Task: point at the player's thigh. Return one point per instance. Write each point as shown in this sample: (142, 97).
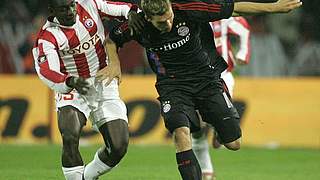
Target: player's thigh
(70, 120)
(115, 133)
(73, 111)
(219, 111)
(177, 110)
(109, 107)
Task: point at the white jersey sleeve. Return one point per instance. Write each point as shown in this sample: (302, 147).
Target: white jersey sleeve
(113, 9)
(47, 65)
(240, 27)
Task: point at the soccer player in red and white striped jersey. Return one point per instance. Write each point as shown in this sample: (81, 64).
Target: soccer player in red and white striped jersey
(71, 59)
(222, 30)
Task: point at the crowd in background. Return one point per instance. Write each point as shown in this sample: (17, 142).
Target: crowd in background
(282, 45)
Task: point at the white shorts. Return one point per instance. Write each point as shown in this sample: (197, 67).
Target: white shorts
(102, 104)
(229, 80)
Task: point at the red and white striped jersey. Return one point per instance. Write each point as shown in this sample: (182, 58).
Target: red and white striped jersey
(77, 50)
(233, 26)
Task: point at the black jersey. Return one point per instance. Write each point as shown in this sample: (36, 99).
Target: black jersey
(179, 54)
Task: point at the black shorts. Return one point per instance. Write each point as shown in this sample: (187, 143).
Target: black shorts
(177, 107)
(179, 102)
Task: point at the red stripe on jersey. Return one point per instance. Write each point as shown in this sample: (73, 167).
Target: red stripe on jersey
(119, 3)
(194, 8)
(198, 3)
(51, 75)
(85, 16)
(102, 56)
(246, 25)
(242, 21)
(198, 6)
(48, 36)
(87, 20)
(46, 71)
(62, 66)
(79, 59)
(41, 52)
(72, 37)
(249, 52)
(231, 58)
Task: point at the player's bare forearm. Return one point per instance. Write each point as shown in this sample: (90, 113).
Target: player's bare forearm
(113, 70)
(251, 8)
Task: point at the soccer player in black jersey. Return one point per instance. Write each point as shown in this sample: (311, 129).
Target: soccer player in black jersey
(187, 79)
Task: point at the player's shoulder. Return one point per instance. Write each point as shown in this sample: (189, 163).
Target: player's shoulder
(82, 1)
(47, 33)
(48, 26)
(88, 3)
(43, 29)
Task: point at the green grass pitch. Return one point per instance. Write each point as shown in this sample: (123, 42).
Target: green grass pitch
(42, 162)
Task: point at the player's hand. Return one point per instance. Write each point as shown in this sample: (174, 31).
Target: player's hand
(108, 73)
(135, 22)
(284, 6)
(78, 83)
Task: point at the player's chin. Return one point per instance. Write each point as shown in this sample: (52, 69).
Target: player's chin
(165, 30)
(69, 21)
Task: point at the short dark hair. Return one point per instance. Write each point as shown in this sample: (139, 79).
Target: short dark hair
(155, 7)
(55, 3)
(51, 3)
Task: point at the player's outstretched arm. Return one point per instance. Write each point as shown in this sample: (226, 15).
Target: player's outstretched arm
(249, 8)
(113, 70)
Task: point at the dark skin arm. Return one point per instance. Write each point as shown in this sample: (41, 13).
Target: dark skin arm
(113, 70)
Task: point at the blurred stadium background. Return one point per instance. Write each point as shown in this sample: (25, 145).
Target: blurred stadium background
(280, 88)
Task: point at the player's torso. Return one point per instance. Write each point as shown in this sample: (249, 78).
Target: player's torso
(178, 52)
(80, 47)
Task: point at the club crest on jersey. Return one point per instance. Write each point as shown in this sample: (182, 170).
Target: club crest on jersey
(88, 23)
(166, 106)
(183, 30)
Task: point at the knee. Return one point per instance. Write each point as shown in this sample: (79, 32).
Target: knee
(182, 139)
(234, 145)
(68, 112)
(119, 149)
(182, 134)
(70, 138)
